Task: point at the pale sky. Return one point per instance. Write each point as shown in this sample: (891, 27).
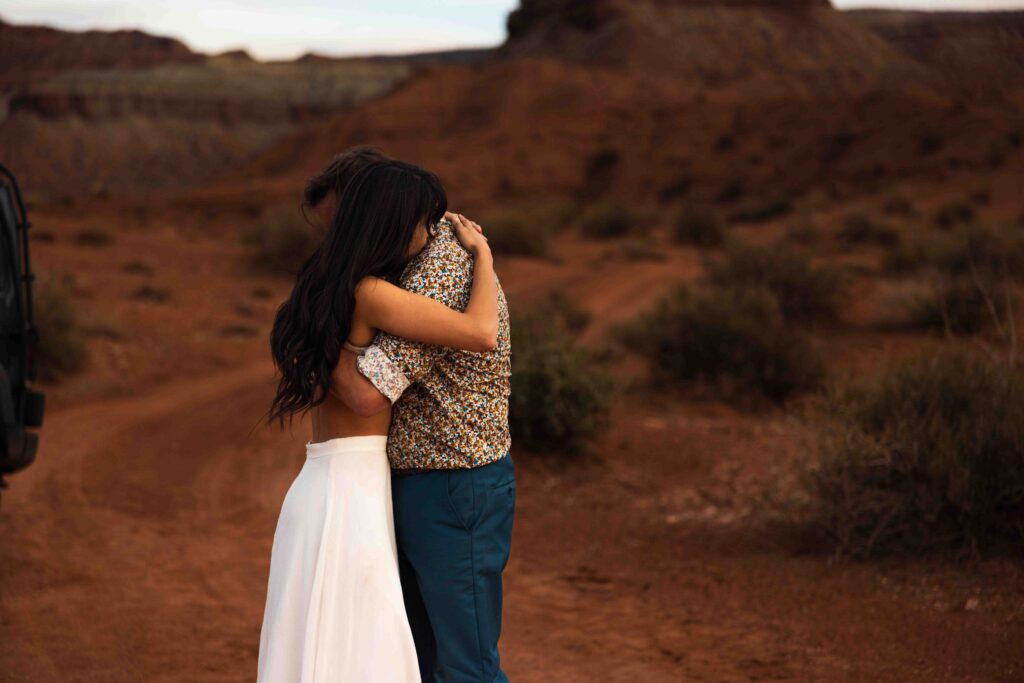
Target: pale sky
(279, 29)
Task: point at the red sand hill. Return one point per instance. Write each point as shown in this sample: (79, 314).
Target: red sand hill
(652, 99)
(656, 101)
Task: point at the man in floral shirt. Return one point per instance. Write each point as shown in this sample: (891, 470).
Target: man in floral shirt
(453, 483)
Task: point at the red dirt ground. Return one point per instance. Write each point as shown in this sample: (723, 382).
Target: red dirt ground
(137, 546)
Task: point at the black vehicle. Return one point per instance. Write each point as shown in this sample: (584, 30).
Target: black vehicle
(20, 405)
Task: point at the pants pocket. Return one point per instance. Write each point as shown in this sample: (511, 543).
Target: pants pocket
(462, 497)
(494, 531)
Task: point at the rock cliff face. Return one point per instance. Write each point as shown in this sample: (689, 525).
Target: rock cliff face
(31, 53)
(761, 47)
(117, 111)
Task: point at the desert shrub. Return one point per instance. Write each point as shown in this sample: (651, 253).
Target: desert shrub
(136, 267)
(805, 293)
(560, 397)
(610, 219)
(62, 348)
(600, 173)
(898, 205)
(859, 228)
(733, 339)
(999, 151)
(929, 454)
(980, 196)
(981, 249)
(519, 235)
(725, 142)
(282, 241)
(560, 308)
(763, 210)
(952, 214)
(804, 233)
(929, 142)
(961, 306)
(148, 292)
(734, 188)
(238, 330)
(262, 293)
(93, 237)
(699, 227)
(676, 188)
(642, 250)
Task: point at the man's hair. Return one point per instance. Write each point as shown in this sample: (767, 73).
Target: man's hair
(335, 176)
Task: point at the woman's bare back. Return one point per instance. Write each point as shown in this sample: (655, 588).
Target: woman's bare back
(333, 419)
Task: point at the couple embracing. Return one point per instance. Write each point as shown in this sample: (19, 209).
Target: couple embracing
(391, 541)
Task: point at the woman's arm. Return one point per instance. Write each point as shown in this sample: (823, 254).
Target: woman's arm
(420, 318)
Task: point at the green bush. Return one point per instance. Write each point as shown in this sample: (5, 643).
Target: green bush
(927, 455)
(560, 397)
(610, 219)
(733, 339)
(805, 293)
(519, 235)
(282, 241)
(62, 349)
(699, 227)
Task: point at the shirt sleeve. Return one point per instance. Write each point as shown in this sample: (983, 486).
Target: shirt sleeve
(392, 363)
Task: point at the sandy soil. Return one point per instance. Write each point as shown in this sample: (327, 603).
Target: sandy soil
(136, 548)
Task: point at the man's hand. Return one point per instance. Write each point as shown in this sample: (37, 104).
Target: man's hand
(354, 390)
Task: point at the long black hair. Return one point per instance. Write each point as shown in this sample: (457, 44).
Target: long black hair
(375, 221)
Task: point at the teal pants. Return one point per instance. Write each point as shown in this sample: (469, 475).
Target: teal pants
(454, 533)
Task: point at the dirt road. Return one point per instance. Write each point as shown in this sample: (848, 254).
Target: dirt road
(137, 547)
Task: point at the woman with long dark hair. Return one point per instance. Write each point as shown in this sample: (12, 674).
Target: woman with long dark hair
(334, 609)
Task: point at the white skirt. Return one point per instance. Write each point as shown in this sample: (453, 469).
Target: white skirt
(334, 611)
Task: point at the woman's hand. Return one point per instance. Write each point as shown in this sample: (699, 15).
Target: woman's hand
(469, 233)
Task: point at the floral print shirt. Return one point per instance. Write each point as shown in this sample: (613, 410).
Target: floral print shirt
(450, 406)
